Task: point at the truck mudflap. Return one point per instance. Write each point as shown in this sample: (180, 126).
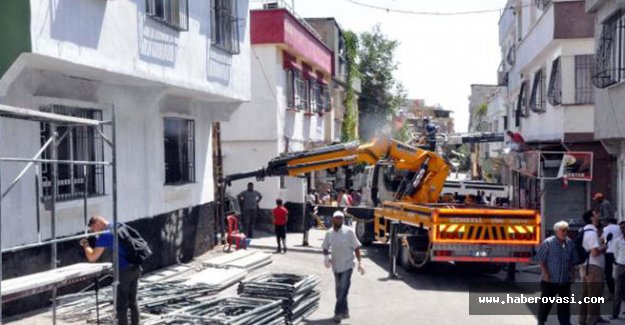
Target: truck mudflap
(481, 253)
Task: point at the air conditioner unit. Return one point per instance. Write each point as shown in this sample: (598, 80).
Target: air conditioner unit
(271, 5)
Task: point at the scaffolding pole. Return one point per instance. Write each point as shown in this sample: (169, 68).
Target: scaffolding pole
(55, 120)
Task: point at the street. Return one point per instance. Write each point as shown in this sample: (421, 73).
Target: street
(438, 295)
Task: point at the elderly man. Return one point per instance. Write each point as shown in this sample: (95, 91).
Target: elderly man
(556, 256)
(344, 244)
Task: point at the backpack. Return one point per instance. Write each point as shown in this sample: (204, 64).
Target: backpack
(578, 242)
(137, 249)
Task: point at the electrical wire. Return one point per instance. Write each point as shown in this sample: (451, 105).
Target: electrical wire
(432, 13)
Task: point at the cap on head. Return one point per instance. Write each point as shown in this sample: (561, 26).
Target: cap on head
(338, 214)
(598, 196)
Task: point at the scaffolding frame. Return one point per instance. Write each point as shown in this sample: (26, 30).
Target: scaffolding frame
(55, 120)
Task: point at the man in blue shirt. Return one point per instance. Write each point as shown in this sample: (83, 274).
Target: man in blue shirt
(129, 274)
(430, 133)
(557, 257)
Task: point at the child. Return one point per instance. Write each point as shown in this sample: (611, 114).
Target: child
(280, 218)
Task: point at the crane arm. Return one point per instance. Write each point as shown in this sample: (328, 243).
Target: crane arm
(427, 170)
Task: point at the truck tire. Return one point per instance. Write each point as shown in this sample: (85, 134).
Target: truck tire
(414, 255)
(363, 233)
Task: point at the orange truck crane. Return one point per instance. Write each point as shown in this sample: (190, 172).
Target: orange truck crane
(406, 186)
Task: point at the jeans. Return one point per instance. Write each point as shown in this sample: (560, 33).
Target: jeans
(281, 236)
(127, 295)
(249, 221)
(609, 267)
(552, 290)
(592, 282)
(620, 290)
(343, 281)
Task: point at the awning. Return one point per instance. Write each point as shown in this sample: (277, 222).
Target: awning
(569, 165)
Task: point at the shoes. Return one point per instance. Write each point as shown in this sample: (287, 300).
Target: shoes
(278, 251)
(602, 320)
(345, 316)
(337, 319)
(614, 317)
(284, 250)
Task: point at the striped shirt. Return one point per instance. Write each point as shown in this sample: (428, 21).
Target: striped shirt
(559, 258)
(342, 243)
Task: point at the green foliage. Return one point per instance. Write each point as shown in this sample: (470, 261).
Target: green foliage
(350, 120)
(378, 100)
(402, 134)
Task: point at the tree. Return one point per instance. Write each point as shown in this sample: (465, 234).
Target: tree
(379, 88)
(350, 120)
(402, 133)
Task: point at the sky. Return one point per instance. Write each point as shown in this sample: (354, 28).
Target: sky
(439, 56)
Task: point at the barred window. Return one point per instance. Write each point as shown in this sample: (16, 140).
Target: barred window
(609, 64)
(174, 13)
(301, 92)
(225, 25)
(522, 102)
(583, 83)
(325, 98)
(554, 94)
(290, 88)
(179, 151)
(75, 143)
(537, 100)
(315, 96)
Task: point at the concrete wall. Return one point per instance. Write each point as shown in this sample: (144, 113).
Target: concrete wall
(118, 37)
(141, 172)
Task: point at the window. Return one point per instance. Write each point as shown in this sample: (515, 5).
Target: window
(583, 82)
(179, 151)
(522, 102)
(75, 143)
(173, 13)
(225, 25)
(301, 92)
(505, 122)
(537, 99)
(609, 60)
(290, 88)
(315, 96)
(554, 94)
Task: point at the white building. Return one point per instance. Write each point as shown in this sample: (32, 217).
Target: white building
(291, 73)
(547, 52)
(170, 69)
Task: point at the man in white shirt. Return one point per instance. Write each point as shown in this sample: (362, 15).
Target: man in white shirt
(618, 246)
(344, 245)
(592, 270)
(610, 233)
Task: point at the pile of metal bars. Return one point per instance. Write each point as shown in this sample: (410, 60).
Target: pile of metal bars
(297, 293)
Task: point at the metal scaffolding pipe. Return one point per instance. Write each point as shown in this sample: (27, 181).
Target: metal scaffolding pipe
(55, 175)
(30, 164)
(48, 242)
(56, 161)
(115, 228)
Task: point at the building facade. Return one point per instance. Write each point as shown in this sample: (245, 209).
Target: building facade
(291, 102)
(547, 52)
(169, 70)
(609, 118)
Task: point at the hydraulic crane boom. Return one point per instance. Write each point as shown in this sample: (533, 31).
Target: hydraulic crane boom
(427, 171)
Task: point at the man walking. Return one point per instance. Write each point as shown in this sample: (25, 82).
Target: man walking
(250, 199)
(344, 244)
(591, 270)
(618, 245)
(129, 273)
(556, 256)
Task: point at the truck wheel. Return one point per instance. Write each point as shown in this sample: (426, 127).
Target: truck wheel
(410, 257)
(362, 234)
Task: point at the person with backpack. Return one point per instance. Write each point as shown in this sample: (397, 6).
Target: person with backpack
(556, 256)
(591, 257)
(133, 250)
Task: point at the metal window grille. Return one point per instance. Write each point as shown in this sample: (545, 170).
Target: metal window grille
(315, 94)
(609, 66)
(301, 95)
(537, 99)
(517, 116)
(225, 25)
(174, 13)
(554, 94)
(79, 143)
(179, 151)
(522, 103)
(583, 83)
(290, 88)
(325, 93)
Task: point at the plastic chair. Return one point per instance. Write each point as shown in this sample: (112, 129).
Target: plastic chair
(233, 235)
